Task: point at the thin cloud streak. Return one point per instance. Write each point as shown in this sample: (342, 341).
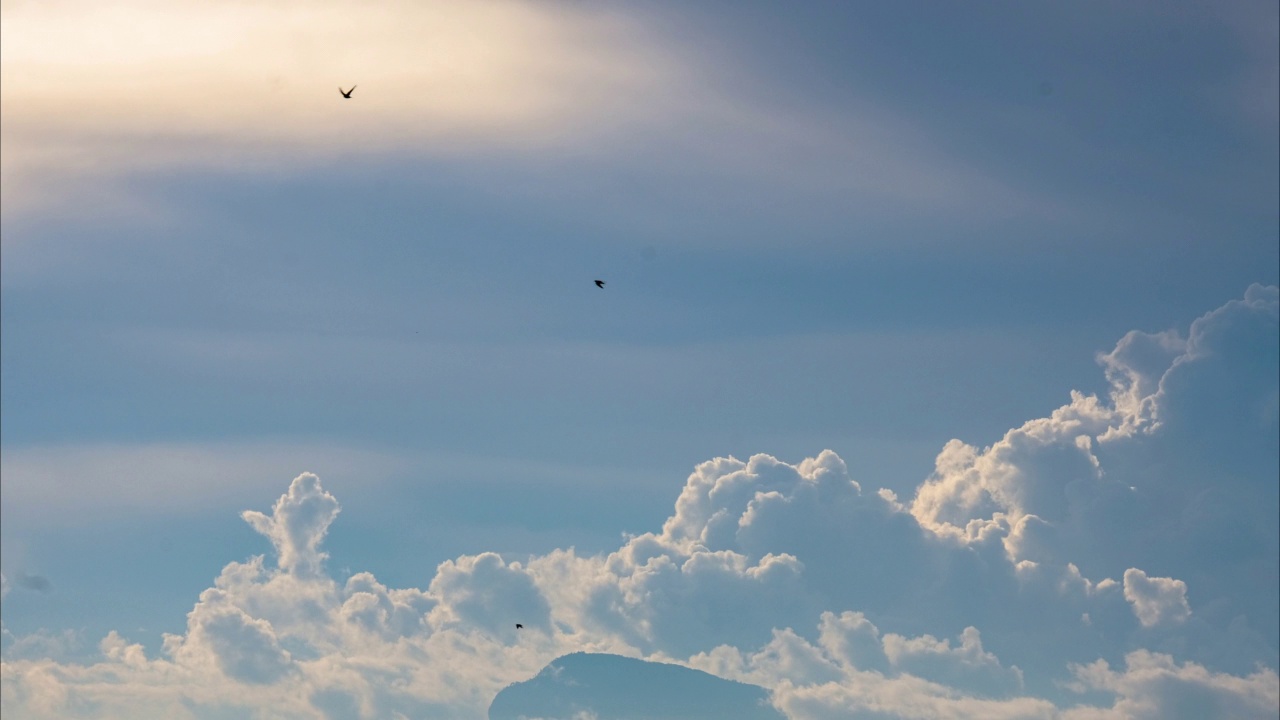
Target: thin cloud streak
(59, 484)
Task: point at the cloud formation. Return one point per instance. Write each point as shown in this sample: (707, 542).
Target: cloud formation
(143, 85)
(1156, 600)
(1013, 584)
(1154, 686)
(141, 90)
(297, 524)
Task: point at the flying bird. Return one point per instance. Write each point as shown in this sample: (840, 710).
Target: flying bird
(347, 93)
(519, 626)
(599, 283)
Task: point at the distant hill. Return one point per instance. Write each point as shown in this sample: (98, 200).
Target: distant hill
(612, 687)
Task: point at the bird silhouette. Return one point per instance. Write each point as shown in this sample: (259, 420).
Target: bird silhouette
(519, 626)
(347, 93)
(599, 283)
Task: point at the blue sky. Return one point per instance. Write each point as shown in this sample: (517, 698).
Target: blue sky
(850, 227)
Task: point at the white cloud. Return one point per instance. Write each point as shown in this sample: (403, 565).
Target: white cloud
(43, 644)
(245, 648)
(482, 591)
(391, 614)
(289, 637)
(1155, 599)
(844, 603)
(966, 665)
(1178, 458)
(1153, 686)
(297, 525)
(912, 677)
(852, 641)
(973, 493)
(907, 698)
(1134, 369)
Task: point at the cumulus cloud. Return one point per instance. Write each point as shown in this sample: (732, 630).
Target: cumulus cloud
(1134, 369)
(1153, 686)
(1050, 467)
(1156, 600)
(297, 525)
(852, 672)
(966, 665)
(1173, 470)
(388, 613)
(984, 597)
(285, 635)
(245, 648)
(974, 493)
(484, 592)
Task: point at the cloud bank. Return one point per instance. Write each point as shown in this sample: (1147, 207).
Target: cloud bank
(1114, 559)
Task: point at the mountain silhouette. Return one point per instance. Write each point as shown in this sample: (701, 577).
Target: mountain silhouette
(612, 687)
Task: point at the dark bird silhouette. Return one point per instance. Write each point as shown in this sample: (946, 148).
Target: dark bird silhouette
(519, 626)
(347, 93)
(599, 283)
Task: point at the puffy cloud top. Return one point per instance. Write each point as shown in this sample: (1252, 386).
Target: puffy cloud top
(297, 524)
(1156, 600)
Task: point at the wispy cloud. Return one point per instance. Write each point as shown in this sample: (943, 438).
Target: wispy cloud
(53, 485)
(94, 94)
(92, 89)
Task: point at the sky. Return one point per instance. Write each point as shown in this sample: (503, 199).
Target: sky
(935, 372)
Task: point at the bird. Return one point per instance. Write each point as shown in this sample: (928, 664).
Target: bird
(519, 626)
(599, 283)
(347, 93)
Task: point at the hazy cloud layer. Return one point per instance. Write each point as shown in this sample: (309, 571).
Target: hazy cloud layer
(53, 484)
(1044, 576)
(97, 96)
(91, 89)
